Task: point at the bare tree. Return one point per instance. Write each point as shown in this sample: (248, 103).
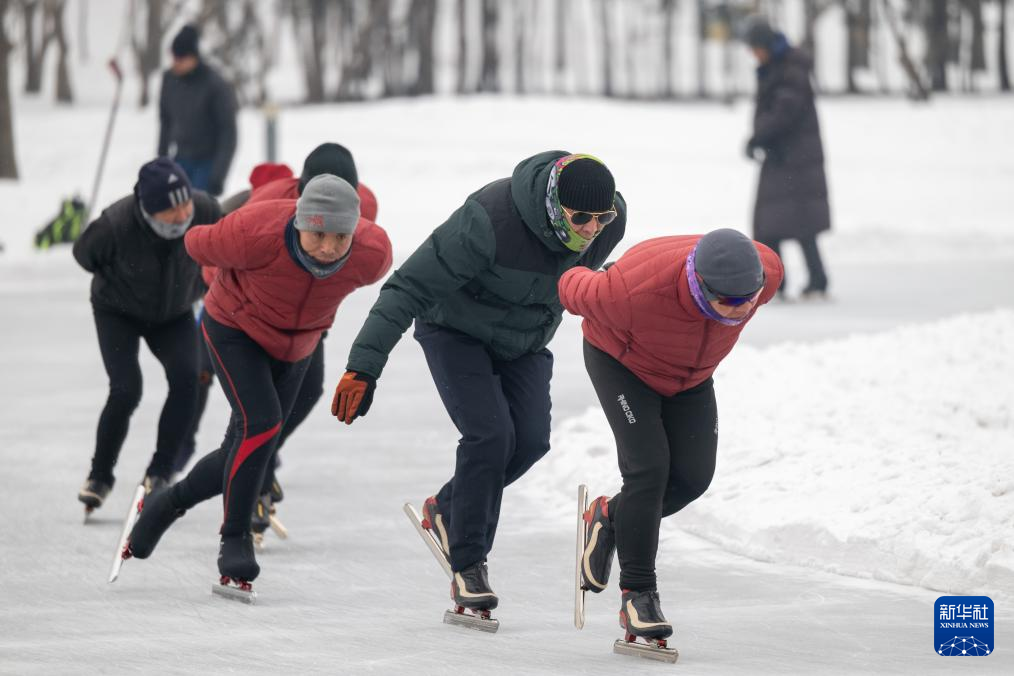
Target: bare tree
(422, 27)
(462, 86)
(8, 161)
(917, 89)
(669, 9)
(1001, 48)
(54, 14)
(937, 39)
(608, 86)
(146, 39)
(857, 23)
(309, 24)
(36, 41)
(489, 72)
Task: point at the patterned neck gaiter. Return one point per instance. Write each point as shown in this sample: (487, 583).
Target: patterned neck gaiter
(702, 303)
(554, 209)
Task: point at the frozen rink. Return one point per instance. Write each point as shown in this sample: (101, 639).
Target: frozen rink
(922, 234)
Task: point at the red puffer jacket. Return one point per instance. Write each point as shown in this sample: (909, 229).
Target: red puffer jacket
(288, 188)
(261, 290)
(640, 311)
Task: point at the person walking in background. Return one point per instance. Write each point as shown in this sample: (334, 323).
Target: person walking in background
(656, 325)
(197, 115)
(482, 292)
(143, 286)
(284, 267)
(792, 200)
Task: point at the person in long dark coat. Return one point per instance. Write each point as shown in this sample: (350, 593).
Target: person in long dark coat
(792, 198)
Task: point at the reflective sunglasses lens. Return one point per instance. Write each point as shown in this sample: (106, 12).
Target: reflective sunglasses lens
(607, 218)
(580, 218)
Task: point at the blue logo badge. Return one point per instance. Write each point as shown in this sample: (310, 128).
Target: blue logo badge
(963, 626)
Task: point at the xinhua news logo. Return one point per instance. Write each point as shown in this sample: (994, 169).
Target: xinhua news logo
(963, 626)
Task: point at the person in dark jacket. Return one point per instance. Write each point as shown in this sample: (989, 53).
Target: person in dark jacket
(197, 115)
(282, 269)
(656, 326)
(792, 200)
(143, 286)
(482, 290)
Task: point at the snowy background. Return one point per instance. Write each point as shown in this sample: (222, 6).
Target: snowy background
(866, 460)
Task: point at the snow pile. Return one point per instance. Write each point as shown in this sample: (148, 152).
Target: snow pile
(887, 456)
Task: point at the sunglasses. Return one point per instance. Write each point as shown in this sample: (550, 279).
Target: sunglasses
(722, 299)
(584, 217)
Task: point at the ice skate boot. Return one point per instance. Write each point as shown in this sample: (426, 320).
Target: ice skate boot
(599, 546)
(154, 483)
(157, 515)
(433, 521)
(473, 599)
(260, 520)
(641, 618)
(238, 568)
(93, 494)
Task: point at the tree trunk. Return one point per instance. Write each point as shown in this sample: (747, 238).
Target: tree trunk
(1001, 48)
(917, 90)
(8, 161)
(424, 28)
(978, 47)
(462, 86)
(64, 90)
(605, 26)
(147, 53)
(937, 46)
(521, 10)
(702, 36)
(669, 9)
(489, 78)
(308, 27)
(857, 19)
(560, 25)
(35, 46)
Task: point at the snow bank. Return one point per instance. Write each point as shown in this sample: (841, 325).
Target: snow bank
(887, 456)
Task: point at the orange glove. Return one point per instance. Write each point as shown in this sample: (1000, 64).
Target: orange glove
(353, 396)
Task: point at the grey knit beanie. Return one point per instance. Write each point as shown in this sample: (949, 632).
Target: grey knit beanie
(728, 262)
(328, 204)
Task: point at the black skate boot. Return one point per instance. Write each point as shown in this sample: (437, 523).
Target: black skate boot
(93, 494)
(236, 559)
(154, 483)
(433, 521)
(157, 515)
(277, 495)
(470, 588)
(641, 616)
(599, 546)
(238, 568)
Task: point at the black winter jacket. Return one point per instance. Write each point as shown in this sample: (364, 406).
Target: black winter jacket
(197, 114)
(137, 273)
(792, 193)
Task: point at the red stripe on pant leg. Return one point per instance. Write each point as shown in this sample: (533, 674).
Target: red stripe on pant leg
(232, 385)
(246, 449)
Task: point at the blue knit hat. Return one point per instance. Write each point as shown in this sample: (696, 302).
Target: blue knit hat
(162, 184)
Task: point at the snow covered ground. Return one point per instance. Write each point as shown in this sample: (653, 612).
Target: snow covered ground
(866, 438)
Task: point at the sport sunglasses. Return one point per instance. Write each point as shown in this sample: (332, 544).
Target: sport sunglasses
(722, 299)
(584, 217)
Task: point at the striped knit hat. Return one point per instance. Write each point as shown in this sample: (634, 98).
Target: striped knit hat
(162, 184)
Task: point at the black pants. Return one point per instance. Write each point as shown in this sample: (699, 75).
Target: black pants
(310, 393)
(814, 264)
(501, 409)
(666, 448)
(260, 390)
(174, 344)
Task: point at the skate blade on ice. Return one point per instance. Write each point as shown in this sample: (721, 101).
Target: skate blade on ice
(582, 533)
(280, 530)
(235, 591)
(258, 541)
(128, 524)
(427, 537)
(478, 620)
(652, 651)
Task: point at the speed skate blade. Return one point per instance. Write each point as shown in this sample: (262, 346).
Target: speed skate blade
(648, 652)
(471, 621)
(582, 531)
(427, 537)
(128, 525)
(280, 530)
(234, 593)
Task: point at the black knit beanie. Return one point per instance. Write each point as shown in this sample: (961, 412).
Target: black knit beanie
(162, 184)
(586, 185)
(758, 33)
(329, 158)
(185, 42)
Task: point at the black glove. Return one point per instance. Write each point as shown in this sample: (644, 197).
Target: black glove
(754, 151)
(607, 265)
